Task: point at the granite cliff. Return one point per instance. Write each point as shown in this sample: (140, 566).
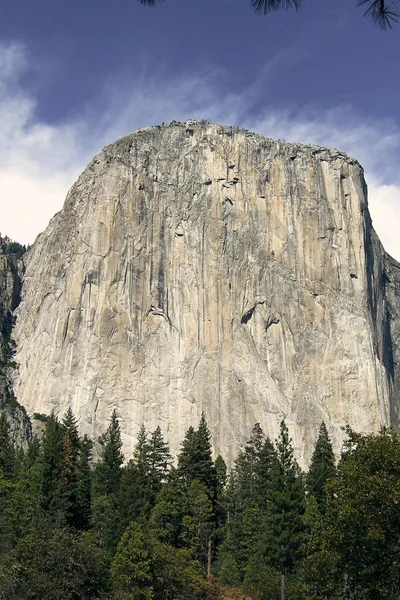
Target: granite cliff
(11, 269)
(199, 267)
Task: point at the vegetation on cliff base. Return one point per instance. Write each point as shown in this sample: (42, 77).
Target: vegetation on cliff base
(146, 530)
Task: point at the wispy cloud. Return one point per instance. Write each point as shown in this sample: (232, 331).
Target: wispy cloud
(38, 161)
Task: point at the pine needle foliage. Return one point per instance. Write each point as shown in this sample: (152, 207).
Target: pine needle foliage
(383, 13)
(322, 467)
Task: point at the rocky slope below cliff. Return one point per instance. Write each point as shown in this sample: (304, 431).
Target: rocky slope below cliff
(203, 268)
(10, 287)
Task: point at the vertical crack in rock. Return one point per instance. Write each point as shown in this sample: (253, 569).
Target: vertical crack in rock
(143, 293)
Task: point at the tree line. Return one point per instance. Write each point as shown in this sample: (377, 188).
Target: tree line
(151, 528)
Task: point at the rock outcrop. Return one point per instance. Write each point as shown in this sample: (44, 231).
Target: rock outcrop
(205, 268)
(11, 269)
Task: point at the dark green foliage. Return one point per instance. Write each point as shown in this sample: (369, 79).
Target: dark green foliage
(356, 544)
(84, 485)
(261, 581)
(40, 417)
(14, 248)
(195, 458)
(106, 486)
(7, 452)
(69, 471)
(322, 467)
(266, 458)
(133, 565)
(220, 474)
(145, 569)
(54, 565)
(159, 460)
(107, 475)
(285, 507)
(198, 523)
(227, 568)
(252, 468)
(51, 460)
(162, 527)
(142, 477)
(168, 512)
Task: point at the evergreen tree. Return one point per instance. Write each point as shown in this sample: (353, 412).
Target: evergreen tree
(220, 474)
(141, 452)
(220, 497)
(355, 551)
(169, 510)
(22, 510)
(322, 467)
(159, 460)
(247, 470)
(69, 482)
(54, 565)
(70, 426)
(84, 486)
(7, 452)
(195, 458)
(107, 474)
(144, 568)
(198, 524)
(132, 569)
(265, 460)
(285, 508)
(50, 468)
(106, 486)
(142, 477)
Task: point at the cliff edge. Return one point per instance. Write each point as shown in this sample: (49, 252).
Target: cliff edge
(197, 267)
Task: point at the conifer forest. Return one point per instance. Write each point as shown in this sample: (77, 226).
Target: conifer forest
(156, 527)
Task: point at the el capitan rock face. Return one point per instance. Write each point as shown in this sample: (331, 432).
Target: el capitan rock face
(202, 268)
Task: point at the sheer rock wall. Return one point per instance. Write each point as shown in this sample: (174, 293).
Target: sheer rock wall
(202, 268)
(10, 287)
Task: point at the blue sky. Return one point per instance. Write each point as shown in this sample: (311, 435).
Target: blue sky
(75, 76)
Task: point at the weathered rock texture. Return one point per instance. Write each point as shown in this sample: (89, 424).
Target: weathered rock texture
(202, 268)
(10, 287)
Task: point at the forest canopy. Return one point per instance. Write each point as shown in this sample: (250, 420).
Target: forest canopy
(148, 527)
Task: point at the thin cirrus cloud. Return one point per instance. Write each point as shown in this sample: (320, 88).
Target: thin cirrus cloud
(40, 161)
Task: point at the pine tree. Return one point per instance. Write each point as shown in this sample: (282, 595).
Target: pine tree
(356, 547)
(168, 512)
(7, 452)
(69, 482)
(247, 470)
(50, 468)
(285, 508)
(198, 524)
(159, 460)
(132, 569)
(142, 477)
(22, 510)
(265, 460)
(322, 467)
(141, 452)
(70, 426)
(195, 458)
(84, 486)
(106, 486)
(107, 475)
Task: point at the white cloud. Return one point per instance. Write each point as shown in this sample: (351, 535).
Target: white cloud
(38, 161)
